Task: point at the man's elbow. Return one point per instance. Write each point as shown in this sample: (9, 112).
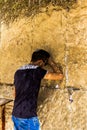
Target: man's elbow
(61, 76)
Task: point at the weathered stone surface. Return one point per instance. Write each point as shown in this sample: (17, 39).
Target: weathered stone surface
(64, 35)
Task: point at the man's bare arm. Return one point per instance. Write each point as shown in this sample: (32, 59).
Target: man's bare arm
(57, 73)
(53, 76)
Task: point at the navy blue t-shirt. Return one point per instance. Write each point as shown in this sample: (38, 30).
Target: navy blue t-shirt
(27, 81)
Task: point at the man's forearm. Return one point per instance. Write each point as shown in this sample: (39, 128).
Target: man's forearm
(56, 68)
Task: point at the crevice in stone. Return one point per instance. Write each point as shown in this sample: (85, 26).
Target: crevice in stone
(6, 84)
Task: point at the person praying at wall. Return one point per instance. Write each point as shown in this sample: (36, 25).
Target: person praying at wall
(27, 81)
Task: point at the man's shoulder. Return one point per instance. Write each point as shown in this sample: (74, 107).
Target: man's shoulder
(28, 66)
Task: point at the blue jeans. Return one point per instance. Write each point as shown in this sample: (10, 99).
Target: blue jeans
(26, 124)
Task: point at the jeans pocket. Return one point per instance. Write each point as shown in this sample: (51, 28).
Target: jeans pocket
(34, 124)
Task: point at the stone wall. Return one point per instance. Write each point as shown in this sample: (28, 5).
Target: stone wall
(63, 33)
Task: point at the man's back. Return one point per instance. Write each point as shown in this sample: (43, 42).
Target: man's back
(27, 81)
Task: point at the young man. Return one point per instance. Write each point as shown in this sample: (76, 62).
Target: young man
(27, 81)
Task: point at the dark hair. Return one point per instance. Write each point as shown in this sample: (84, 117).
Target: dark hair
(40, 55)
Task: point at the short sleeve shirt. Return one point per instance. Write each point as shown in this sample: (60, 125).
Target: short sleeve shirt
(27, 81)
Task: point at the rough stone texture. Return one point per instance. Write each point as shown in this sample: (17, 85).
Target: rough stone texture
(64, 35)
(59, 114)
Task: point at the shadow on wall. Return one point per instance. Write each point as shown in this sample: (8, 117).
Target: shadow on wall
(48, 88)
(44, 94)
